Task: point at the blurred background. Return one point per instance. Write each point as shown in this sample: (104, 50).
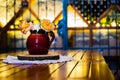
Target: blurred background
(87, 24)
(80, 24)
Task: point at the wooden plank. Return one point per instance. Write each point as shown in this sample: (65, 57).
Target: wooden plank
(35, 72)
(81, 71)
(2, 64)
(87, 56)
(100, 71)
(9, 71)
(92, 55)
(32, 72)
(66, 69)
(96, 56)
(6, 67)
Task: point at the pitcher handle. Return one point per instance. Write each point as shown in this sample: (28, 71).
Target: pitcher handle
(52, 35)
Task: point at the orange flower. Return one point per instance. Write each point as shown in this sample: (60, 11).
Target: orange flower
(24, 26)
(47, 25)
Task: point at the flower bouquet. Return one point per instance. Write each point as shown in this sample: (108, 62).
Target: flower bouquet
(45, 24)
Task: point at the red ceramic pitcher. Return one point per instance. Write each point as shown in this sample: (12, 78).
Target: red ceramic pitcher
(38, 43)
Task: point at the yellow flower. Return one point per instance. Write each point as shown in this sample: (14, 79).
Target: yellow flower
(47, 25)
(24, 26)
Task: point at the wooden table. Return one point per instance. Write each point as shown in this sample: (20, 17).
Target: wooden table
(87, 65)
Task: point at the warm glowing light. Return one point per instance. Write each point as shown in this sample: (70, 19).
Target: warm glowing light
(89, 22)
(97, 25)
(3, 22)
(103, 20)
(104, 32)
(17, 22)
(11, 27)
(119, 24)
(113, 24)
(78, 23)
(94, 21)
(74, 19)
(103, 25)
(107, 25)
(50, 17)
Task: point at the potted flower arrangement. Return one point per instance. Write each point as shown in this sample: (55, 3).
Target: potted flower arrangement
(39, 41)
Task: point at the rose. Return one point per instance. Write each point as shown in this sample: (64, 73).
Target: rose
(45, 24)
(24, 26)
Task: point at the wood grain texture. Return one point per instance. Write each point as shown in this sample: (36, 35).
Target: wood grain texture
(86, 65)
